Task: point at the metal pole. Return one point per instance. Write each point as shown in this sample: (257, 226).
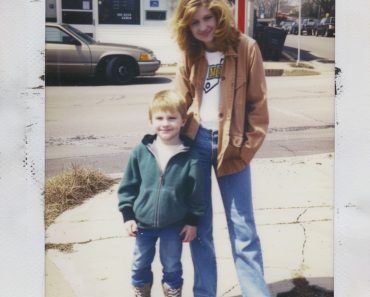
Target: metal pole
(299, 32)
(241, 15)
(249, 20)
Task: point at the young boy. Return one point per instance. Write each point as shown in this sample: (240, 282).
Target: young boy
(160, 196)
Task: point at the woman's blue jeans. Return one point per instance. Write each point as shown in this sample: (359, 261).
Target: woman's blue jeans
(245, 244)
(170, 249)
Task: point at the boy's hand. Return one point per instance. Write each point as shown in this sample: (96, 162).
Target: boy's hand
(131, 228)
(188, 233)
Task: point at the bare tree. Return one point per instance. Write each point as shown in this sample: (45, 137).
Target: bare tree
(267, 7)
(326, 7)
(310, 9)
(271, 7)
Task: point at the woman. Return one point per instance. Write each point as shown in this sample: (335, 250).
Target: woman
(222, 79)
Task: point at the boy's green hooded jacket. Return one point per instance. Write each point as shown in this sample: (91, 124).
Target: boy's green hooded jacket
(157, 199)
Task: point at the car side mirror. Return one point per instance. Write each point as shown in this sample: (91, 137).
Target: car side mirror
(71, 40)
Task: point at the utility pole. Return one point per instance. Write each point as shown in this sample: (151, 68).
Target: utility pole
(299, 32)
(277, 13)
(245, 16)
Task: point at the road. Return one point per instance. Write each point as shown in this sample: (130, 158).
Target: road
(312, 48)
(97, 126)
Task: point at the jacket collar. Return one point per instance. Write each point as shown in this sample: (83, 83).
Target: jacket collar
(149, 139)
(229, 52)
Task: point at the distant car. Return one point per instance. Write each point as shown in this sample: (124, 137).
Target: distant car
(294, 28)
(308, 25)
(286, 25)
(69, 52)
(326, 27)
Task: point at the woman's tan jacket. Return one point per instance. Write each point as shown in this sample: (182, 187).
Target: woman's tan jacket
(243, 113)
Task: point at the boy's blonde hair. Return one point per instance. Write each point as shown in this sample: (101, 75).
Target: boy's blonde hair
(168, 100)
(226, 33)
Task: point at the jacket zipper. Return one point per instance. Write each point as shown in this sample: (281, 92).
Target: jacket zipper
(162, 173)
(156, 221)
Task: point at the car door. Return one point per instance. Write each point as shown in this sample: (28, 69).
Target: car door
(65, 54)
(322, 26)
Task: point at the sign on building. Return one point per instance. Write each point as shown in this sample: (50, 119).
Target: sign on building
(125, 12)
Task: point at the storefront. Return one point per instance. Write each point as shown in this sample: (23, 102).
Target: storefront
(137, 22)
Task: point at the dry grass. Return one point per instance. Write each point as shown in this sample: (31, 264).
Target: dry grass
(301, 65)
(300, 72)
(62, 247)
(71, 188)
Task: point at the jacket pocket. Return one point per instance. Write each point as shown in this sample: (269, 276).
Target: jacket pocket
(171, 206)
(232, 152)
(144, 206)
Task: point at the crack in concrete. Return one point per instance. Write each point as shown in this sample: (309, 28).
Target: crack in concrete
(289, 150)
(295, 222)
(229, 290)
(300, 215)
(300, 128)
(293, 207)
(301, 223)
(303, 245)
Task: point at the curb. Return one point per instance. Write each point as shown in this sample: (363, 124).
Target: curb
(268, 72)
(286, 70)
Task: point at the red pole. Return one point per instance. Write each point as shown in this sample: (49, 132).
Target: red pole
(241, 15)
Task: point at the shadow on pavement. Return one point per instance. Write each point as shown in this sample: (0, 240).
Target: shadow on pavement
(292, 52)
(300, 287)
(151, 80)
(74, 82)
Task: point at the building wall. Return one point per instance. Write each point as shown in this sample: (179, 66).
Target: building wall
(153, 34)
(51, 10)
(157, 38)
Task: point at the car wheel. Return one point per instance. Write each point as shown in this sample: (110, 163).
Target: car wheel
(120, 70)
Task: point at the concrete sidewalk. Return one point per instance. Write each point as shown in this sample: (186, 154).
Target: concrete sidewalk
(293, 201)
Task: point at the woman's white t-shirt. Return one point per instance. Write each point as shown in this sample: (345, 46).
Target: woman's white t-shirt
(209, 108)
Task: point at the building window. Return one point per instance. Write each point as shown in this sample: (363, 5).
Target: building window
(77, 17)
(125, 12)
(77, 4)
(77, 12)
(155, 15)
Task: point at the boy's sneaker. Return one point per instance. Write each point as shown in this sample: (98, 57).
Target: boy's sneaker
(171, 292)
(143, 291)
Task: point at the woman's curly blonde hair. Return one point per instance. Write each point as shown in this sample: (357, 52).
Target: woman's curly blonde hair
(226, 33)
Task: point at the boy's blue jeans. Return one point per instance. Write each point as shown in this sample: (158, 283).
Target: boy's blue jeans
(245, 244)
(170, 248)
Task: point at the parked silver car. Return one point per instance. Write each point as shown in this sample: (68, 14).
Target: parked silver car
(326, 27)
(69, 52)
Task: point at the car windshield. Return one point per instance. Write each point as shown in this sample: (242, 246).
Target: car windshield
(87, 38)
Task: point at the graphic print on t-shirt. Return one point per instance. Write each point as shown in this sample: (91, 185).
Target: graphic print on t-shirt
(213, 76)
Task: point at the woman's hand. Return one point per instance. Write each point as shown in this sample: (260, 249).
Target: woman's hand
(131, 228)
(188, 233)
